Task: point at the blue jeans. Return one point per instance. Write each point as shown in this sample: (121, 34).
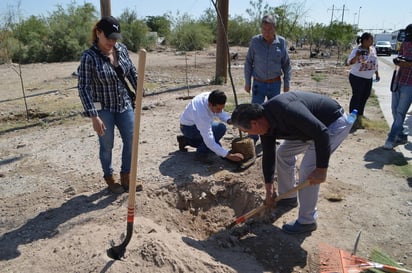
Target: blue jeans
(194, 138)
(261, 91)
(401, 101)
(124, 122)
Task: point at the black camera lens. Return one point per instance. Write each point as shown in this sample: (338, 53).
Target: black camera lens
(364, 52)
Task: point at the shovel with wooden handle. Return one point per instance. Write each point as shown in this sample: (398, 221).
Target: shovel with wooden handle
(117, 252)
(261, 208)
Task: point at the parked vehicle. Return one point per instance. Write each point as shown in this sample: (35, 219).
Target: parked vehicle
(382, 37)
(383, 47)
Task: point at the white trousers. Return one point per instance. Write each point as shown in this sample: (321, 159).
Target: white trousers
(286, 157)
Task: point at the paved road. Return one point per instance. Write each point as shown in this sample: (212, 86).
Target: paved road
(386, 68)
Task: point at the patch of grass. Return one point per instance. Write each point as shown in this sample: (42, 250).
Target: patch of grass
(317, 77)
(373, 99)
(230, 106)
(149, 87)
(404, 169)
(218, 81)
(242, 97)
(377, 125)
(42, 109)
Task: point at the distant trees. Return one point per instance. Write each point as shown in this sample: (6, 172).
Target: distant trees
(134, 32)
(189, 35)
(65, 33)
(159, 24)
(60, 37)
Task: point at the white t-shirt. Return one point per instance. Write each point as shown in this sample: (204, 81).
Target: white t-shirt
(366, 66)
(198, 113)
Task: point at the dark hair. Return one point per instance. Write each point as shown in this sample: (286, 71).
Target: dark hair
(365, 35)
(268, 19)
(217, 97)
(408, 33)
(245, 113)
(110, 27)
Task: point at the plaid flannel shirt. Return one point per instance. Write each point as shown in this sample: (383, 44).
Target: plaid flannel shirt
(98, 81)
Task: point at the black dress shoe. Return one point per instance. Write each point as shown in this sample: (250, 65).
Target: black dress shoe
(182, 143)
(295, 227)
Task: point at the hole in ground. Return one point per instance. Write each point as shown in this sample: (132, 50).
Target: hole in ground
(215, 204)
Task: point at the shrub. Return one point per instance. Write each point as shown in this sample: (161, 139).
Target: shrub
(189, 36)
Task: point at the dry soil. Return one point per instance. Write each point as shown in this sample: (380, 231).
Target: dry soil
(56, 214)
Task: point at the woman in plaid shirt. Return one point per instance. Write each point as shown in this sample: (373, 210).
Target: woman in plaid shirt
(105, 98)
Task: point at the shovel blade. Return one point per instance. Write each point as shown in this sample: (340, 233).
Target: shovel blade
(116, 252)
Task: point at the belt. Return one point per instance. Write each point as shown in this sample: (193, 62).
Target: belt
(338, 114)
(267, 81)
(182, 125)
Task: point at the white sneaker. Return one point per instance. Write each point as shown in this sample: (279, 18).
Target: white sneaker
(388, 145)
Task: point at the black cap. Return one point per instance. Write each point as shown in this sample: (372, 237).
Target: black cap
(110, 26)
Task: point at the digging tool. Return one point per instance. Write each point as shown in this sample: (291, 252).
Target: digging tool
(261, 208)
(117, 252)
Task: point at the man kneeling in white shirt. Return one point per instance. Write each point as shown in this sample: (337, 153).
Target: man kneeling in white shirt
(200, 130)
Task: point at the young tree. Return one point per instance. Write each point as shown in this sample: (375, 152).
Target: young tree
(17, 68)
(341, 35)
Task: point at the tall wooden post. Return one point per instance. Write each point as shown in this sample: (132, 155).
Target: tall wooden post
(221, 39)
(105, 8)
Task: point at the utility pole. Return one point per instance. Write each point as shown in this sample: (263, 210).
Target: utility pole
(333, 11)
(105, 8)
(359, 15)
(222, 50)
(331, 18)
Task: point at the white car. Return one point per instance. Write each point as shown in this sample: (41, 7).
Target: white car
(383, 47)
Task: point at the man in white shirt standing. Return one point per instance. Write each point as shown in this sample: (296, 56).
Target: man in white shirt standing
(200, 128)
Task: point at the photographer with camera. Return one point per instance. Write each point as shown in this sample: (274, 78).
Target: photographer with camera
(402, 95)
(364, 63)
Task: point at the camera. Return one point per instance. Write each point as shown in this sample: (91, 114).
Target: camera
(396, 60)
(363, 51)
